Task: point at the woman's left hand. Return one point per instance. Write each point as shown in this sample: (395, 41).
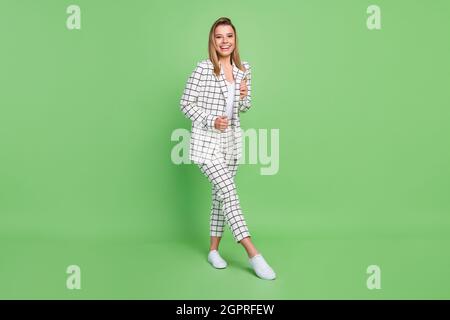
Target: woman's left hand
(243, 88)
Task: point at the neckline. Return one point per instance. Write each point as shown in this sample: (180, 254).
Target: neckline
(230, 83)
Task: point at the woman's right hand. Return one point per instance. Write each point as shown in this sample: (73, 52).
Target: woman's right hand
(221, 123)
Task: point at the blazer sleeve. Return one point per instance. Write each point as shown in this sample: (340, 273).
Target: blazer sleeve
(246, 102)
(188, 102)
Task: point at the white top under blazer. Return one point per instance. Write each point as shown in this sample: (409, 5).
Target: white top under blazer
(230, 99)
(204, 99)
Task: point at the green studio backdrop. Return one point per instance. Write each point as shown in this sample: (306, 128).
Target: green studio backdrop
(87, 177)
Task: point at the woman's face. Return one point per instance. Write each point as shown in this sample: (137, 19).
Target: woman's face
(224, 40)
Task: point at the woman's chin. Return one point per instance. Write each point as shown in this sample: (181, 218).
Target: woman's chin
(225, 54)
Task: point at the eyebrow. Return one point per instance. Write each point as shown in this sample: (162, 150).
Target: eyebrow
(219, 34)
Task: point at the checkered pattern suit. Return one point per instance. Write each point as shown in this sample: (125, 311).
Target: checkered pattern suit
(203, 100)
(216, 152)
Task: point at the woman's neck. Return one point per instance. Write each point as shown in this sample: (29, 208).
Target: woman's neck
(225, 62)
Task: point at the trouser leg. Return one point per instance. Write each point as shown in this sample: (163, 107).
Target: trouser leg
(222, 179)
(217, 217)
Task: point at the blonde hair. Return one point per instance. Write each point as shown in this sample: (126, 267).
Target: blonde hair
(235, 58)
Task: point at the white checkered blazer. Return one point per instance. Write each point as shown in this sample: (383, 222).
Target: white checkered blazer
(203, 100)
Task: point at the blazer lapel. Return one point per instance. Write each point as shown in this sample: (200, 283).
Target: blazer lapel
(237, 75)
(223, 84)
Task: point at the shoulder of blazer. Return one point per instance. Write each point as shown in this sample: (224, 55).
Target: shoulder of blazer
(205, 64)
(201, 66)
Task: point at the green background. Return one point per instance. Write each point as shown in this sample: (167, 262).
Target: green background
(86, 176)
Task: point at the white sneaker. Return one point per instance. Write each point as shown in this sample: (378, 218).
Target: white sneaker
(262, 269)
(216, 260)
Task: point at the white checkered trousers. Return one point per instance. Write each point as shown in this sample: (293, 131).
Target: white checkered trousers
(216, 152)
(225, 208)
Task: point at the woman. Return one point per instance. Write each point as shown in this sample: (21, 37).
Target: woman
(215, 93)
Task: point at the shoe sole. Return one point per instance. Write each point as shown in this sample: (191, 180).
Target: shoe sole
(217, 267)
